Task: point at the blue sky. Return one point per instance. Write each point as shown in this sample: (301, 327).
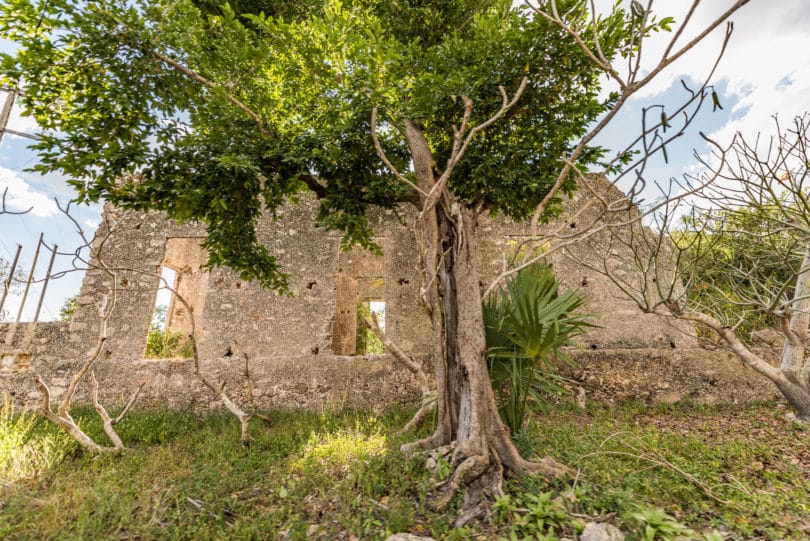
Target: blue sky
(765, 71)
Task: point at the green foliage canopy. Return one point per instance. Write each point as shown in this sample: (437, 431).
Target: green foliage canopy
(217, 113)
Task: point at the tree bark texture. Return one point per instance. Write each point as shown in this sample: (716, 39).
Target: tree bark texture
(467, 412)
(795, 390)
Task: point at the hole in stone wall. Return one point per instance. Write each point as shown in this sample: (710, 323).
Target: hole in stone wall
(359, 282)
(172, 319)
(366, 341)
(14, 363)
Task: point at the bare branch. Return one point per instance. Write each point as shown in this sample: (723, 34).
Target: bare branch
(4, 209)
(212, 85)
(428, 393)
(461, 141)
(384, 157)
(627, 89)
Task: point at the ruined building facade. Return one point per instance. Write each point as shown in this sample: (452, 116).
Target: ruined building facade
(302, 347)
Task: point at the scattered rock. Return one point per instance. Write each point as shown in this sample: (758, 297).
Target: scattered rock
(601, 531)
(408, 537)
(670, 397)
(581, 398)
(768, 337)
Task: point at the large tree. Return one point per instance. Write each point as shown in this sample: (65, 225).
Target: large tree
(222, 113)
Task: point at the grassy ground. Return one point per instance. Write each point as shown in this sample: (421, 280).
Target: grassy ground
(737, 472)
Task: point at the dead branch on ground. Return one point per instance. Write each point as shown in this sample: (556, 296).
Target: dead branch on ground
(642, 452)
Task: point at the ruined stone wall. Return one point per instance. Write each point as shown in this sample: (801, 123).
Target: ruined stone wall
(302, 344)
(319, 314)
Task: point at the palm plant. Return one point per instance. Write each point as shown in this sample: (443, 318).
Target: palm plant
(528, 321)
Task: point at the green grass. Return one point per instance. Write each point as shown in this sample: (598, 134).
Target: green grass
(341, 476)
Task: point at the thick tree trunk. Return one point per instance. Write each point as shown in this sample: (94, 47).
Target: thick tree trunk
(467, 413)
(795, 390)
(799, 398)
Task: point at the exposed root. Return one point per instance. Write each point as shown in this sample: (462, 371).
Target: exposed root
(416, 421)
(480, 494)
(479, 476)
(548, 467)
(471, 468)
(431, 442)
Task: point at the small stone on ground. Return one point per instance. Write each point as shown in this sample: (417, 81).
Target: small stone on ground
(601, 531)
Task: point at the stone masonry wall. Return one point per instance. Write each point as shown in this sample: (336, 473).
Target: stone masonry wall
(301, 344)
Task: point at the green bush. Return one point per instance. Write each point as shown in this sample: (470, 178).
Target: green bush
(735, 260)
(527, 323)
(167, 344)
(68, 308)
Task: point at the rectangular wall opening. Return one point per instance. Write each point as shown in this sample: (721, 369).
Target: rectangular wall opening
(172, 319)
(360, 289)
(367, 342)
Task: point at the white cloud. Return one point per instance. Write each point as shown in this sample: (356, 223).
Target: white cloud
(20, 196)
(91, 224)
(766, 65)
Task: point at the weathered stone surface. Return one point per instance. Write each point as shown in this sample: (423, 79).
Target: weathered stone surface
(407, 537)
(302, 346)
(601, 531)
(667, 375)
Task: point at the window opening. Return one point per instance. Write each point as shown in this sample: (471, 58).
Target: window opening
(162, 341)
(171, 322)
(360, 289)
(367, 342)
(163, 298)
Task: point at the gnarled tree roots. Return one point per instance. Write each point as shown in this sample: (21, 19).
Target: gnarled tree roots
(478, 471)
